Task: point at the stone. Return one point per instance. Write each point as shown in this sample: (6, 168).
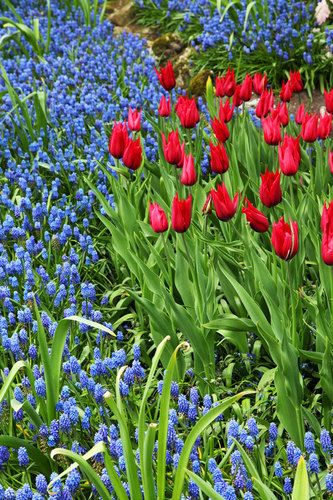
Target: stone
(167, 46)
(198, 83)
(123, 16)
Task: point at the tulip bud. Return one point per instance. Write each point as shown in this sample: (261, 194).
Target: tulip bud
(226, 85)
(270, 190)
(187, 111)
(134, 119)
(327, 229)
(164, 107)
(219, 160)
(207, 208)
(236, 100)
(220, 129)
(272, 130)
(285, 239)
(310, 127)
(157, 218)
(245, 92)
(265, 104)
(259, 83)
(286, 91)
(188, 177)
(118, 140)
(181, 214)
(296, 81)
(257, 220)
(300, 115)
(226, 111)
(289, 155)
(171, 148)
(166, 77)
(325, 126)
(224, 207)
(330, 160)
(133, 154)
(329, 100)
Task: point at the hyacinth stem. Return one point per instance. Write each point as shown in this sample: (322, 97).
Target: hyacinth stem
(168, 261)
(319, 487)
(293, 316)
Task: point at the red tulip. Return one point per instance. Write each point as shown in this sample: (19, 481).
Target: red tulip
(118, 140)
(270, 190)
(265, 104)
(300, 115)
(296, 81)
(245, 92)
(327, 229)
(257, 220)
(132, 154)
(134, 119)
(236, 100)
(289, 155)
(286, 91)
(329, 100)
(226, 111)
(226, 85)
(181, 214)
(166, 77)
(224, 207)
(187, 111)
(164, 107)
(285, 239)
(188, 177)
(310, 127)
(157, 218)
(182, 149)
(272, 130)
(259, 83)
(220, 129)
(330, 160)
(281, 112)
(171, 148)
(325, 126)
(207, 208)
(219, 160)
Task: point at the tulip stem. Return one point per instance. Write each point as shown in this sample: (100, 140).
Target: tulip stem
(195, 279)
(293, 316)
(189, 137)
(205, 244)
(168, 261)
(259, 144)
(311, 170)
(238, 234)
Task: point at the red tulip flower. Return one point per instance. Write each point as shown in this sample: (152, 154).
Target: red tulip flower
(270, 190)
(224, 207)
(300, 115)
(289, 155)
(187, 111)
(236, 100)
(134, 120)
(226, 111)
(207, 208)
(310, 127)
(257, 220)
(281, 112)
(272, 130)
(118, 140)
(245, 92)
(188, 177)
(171, 148)
(286, 91)
(181, 214)
(259, 83)
(265, 104)
(325, 126)
(296, 81)
(226, 85)
(157, 218)
(166, 77)
(329, 100)
(182, 149)
(285, 239)
(219, 160)
(330, 160)
(165, 107)
(132, 154)
(220, 129)
(327, 229)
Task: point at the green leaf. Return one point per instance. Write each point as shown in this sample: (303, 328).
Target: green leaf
(9, 379)
(301, 486)
(204, 486)
(39, 458)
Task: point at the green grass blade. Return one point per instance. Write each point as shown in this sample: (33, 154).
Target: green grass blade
(301, 485)
(9, 379)
(147, 468)
(204, 486)
(115, 480)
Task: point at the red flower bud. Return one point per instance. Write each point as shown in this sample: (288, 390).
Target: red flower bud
(188, 177)
(187, 111)
(181, 214)
(245, 92)
(286, 91)
(330, 160)
(289, 155)
(132, 154)
(259, 83)
(118, 140)
(219, 160)
(164, 107)
(285, 239)
(329, 100)
(226, 85)
(134, 119)
(310, 127)
(257, 220)
(325, 126)
(224, 207)
(226, 111)
(327, 229)
(296, 81)
(171, 148)
(220, 129)
(272, 130)
(236, 100)
(270, 190)
(157, 218)
(207, 208)
(281, 113)
(300, 115)
(166, 77)
(265, 104)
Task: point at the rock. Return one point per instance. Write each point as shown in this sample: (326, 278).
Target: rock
(123, 16)
(167, 46)
(182, 69)
(198, 83)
